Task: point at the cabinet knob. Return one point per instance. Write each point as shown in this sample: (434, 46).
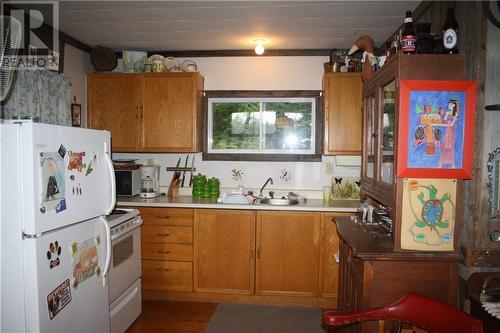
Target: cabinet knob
(136, 112)
(142, 112)
(336, 258)
(162, 235)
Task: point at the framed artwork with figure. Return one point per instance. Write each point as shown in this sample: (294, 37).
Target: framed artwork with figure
(436, 131)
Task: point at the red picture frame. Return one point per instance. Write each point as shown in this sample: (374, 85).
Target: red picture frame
(436, 129)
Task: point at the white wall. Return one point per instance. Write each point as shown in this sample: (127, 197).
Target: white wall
(260, 73)
(76, 65)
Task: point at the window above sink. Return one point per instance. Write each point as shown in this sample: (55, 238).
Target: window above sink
(263, 125)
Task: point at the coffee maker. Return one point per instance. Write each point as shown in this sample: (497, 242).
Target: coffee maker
(150, 181)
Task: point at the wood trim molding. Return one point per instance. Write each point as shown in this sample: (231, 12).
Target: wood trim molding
(239, 53)
(316, 157)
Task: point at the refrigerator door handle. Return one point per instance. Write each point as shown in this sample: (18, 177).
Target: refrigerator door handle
(108, 251)
(107, 155)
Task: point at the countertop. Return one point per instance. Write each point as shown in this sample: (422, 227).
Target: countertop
(315, 205)
(372, 242)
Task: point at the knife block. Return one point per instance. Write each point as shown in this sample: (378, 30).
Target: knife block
(173, 188)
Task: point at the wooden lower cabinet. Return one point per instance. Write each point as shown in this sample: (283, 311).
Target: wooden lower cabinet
(287, 254)
(329, 257)
(167, 249)
(269, 257)
(224, 251)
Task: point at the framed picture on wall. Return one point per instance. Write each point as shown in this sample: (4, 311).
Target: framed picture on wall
(76, 115)
(436, 131)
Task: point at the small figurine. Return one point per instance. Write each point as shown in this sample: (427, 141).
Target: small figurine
(365, 43)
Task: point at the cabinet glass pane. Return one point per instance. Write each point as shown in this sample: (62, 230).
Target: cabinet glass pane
(371, 129)
(388, 131)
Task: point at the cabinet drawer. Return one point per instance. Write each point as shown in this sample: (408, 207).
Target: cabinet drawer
(167, 216)
(165, 251)
(167, 234)
(167, 275)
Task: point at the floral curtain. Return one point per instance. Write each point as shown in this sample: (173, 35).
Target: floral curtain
(42, 94)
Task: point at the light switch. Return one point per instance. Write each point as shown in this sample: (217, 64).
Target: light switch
(150, 161)
(329, 168)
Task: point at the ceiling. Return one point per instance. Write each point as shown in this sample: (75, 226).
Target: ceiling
(229, 25)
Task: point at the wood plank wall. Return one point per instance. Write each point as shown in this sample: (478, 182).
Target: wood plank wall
(478, 38)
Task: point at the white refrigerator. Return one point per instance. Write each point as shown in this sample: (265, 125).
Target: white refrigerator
(57, 183)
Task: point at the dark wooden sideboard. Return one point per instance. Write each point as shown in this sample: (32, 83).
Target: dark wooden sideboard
(373, 274)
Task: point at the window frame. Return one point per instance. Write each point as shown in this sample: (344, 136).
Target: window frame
(265, 94)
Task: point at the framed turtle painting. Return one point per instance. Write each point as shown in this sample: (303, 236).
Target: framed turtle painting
(428, 214)
(436, 129)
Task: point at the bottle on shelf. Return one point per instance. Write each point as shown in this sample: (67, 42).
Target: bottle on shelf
(408, 38)
(450, 33)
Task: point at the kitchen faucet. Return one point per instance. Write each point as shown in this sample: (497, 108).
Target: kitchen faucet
(262, 188)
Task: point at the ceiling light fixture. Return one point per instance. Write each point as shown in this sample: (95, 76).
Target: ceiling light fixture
(259, 47)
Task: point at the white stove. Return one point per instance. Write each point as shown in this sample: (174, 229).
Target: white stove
(125, 270)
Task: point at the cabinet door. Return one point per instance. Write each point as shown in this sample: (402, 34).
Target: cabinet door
(113, 104)
(343, 114)
(287, 253)
(224, 251)
(329, 257)
(170, 110)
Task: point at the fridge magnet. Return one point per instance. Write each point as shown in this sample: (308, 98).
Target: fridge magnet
(62, 151)
(52, 182)
(89, 169)
(53, 254)
(436, 132)
(84, 259)
(428, 214)
(346, 187)
(60, 206)
(58, 299)
(76, 161)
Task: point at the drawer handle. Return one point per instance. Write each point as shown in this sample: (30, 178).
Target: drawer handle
(162, 217)
(162, 235)
(162, 252)
(162, 270)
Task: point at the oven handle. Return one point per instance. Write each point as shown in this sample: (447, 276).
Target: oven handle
(126, 231)
(108, 251)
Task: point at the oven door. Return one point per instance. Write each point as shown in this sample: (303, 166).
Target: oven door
(125, 267)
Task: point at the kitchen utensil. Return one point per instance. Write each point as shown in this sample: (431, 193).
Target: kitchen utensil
(177, 173)
(184, 173)
(192, 171)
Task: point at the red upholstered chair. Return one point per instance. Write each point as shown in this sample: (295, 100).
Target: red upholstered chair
(413, 309)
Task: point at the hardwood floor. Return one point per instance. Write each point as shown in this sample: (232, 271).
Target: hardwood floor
(173, 317)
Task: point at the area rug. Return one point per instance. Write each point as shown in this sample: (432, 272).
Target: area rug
(250, 318)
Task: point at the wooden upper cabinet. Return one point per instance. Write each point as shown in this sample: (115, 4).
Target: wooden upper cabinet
(171, 108)
(113, 104)
(224, 251)
(287, 253)
(343, 113)
(158, 112)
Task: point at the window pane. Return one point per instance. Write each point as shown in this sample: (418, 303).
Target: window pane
(287, 125)
(236, 125)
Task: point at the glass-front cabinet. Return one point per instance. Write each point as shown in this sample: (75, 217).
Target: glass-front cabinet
(381, 187)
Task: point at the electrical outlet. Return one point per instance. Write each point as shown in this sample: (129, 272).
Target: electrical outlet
(150, 161)
(329, 168)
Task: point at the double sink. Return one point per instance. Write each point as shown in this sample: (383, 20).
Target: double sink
(278, 202)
